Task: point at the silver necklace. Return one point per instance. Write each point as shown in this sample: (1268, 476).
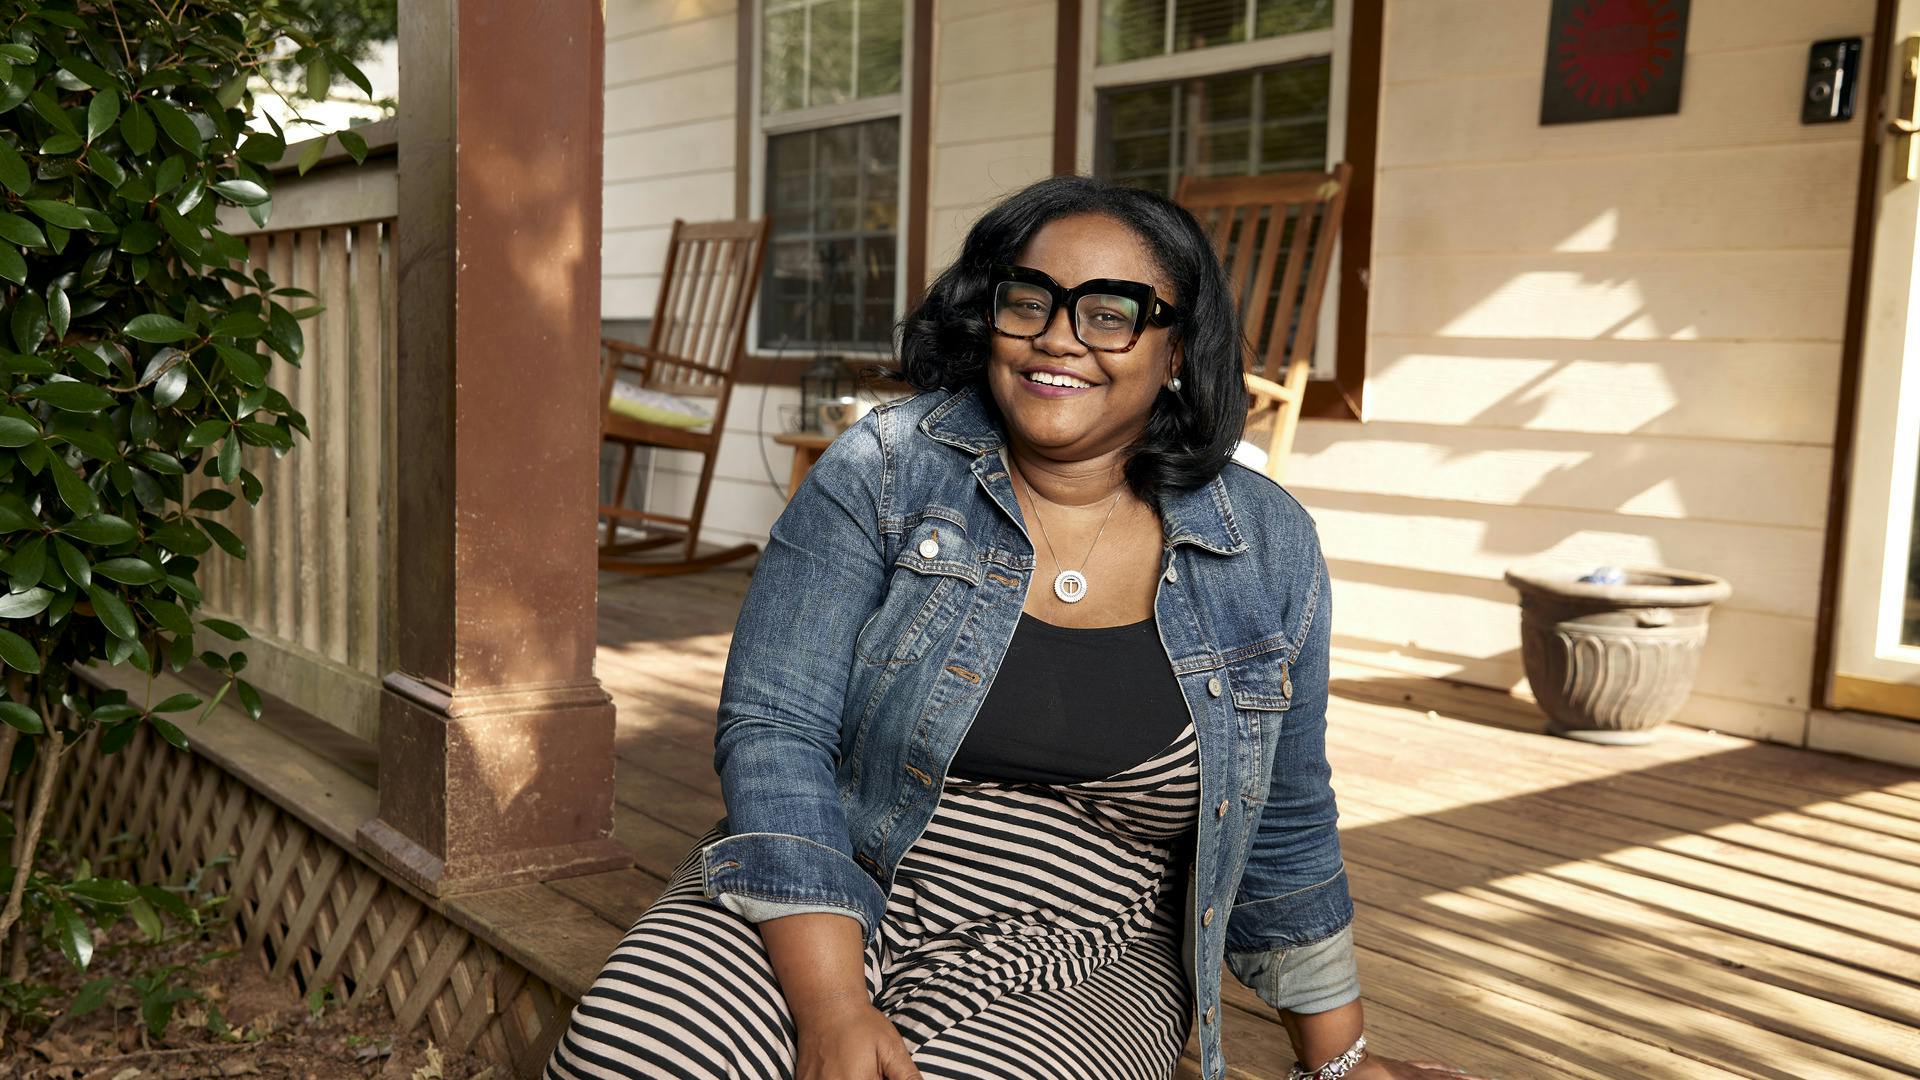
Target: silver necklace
(1069, 585)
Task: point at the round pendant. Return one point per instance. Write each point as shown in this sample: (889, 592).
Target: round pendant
(1070, 586)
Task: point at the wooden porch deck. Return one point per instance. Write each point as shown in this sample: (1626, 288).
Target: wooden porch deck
(1528, 906)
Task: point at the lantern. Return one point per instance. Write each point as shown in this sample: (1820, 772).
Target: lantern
(826, 380)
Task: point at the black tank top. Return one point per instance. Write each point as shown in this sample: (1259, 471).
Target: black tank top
(1074, 703)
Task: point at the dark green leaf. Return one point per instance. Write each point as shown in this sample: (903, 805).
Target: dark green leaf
(249, 697)
(113, 613)
(222, 536)
(158, 462)
(181, 537)
(89, 72)
(157, 328)
(262, 148)
(171, 616)
(17, 432)
(29, 322)
(353, 143)
(60, 144)
(128, 571)
(13, 265)
(73, 490)
(18, 653)
(206, 433)
(24, 605)
(168, 731)
(100, 530)
(106, 168)
(66, 215)
(283, 334)
(102, 111)
(70, 930)
(18, 54)
(229, 630)
(104, 890)
(212, 500)
(73, 562)
(59, 311)
(89, 998)
(19, 716)
(11, 95)
(146, 919)
(76, 397)
(47, 105)
(140, 237)
(178, 703)
(18, 230)
(230, 460)
(241, 192)
(136, 127)
(170, 385)
(13, 169)
(177, 126)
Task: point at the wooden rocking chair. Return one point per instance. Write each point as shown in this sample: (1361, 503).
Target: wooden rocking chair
(672, 392)
(1252, 220)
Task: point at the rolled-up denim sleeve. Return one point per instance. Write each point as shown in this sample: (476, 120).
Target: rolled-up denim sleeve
(783, 695)
(1289, 933)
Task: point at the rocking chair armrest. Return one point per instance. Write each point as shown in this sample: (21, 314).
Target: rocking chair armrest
(653, 356)
(1267, 390)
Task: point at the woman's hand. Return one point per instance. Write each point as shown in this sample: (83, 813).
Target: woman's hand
(849, 1039)
(1375, 1067)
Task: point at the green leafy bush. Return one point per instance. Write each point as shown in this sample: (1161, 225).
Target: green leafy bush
(135, 347)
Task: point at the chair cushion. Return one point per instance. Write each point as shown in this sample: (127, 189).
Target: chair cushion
(658, 406)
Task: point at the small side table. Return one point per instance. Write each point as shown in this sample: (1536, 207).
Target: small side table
(807, 448)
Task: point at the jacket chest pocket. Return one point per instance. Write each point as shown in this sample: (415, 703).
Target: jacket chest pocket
(1262, 692)
(931, 580)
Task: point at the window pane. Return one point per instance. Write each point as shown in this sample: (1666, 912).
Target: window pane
(783, 81)
(1274, 17)
(830, 53)
(1293, 131)
(1130, 29)
(822, 52)
(830, 270)
(1200, 23)
(1247, 122)
(1219, 125)
(879, 48)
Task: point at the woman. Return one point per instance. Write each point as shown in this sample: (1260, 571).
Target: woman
(1021, 734)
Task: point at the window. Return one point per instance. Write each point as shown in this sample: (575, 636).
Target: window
(829, 136)
(1215, 88)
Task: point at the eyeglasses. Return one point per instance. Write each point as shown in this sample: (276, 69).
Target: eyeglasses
(1107, 314)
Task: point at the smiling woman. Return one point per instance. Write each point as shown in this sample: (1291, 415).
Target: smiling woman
(981, 829)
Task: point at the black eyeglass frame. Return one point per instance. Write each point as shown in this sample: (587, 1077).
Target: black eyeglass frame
(1152, 309)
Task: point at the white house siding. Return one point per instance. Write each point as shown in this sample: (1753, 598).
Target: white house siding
(991, 115)
(1612, 342)
(671, 74)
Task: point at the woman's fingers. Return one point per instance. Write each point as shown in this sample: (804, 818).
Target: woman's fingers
(898, 1064)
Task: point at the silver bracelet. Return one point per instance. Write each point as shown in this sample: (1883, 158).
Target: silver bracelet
(1335, 1069)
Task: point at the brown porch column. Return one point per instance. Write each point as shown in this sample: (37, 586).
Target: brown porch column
(496, 740)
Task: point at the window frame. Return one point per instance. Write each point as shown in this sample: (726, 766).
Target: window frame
(1243, 56)
(763, 127)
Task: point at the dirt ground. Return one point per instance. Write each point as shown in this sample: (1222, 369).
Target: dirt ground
(244, 1024)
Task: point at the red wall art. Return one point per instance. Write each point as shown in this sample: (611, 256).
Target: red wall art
(1608, 59)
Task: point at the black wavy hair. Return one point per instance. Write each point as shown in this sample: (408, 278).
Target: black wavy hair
(1190, 435)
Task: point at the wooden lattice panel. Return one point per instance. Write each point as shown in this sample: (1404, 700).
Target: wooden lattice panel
(304, 907)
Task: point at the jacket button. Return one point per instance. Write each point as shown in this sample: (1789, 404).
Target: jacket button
(1209, 1016)
(929, 548)
(1221, 810)
(1213, 686)
(1206, 919)
(1172, 574)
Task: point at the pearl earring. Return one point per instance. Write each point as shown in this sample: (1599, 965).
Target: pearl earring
(1173, 384)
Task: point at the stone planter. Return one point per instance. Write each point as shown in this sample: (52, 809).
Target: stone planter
(1611, 663)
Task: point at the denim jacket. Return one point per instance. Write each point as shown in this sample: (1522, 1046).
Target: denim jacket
(889, 590)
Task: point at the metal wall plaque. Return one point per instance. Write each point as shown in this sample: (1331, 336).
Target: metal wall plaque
(1610, 59)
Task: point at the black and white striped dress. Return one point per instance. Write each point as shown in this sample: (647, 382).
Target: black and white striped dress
(1031, 931)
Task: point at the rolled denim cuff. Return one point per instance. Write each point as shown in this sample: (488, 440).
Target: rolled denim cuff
(1308, 978)
(762, 875)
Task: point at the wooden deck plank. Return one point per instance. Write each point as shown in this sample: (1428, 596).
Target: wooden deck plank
(1701, 907)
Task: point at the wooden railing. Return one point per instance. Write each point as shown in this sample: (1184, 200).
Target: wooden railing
(314, 590)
